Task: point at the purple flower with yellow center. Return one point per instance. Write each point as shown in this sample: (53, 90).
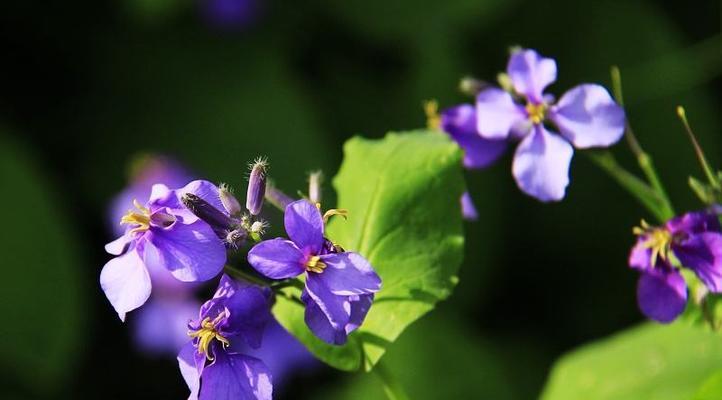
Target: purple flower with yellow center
(586, 117)
(212, 363)
(340, 285)
(692, 241)
(161, 234)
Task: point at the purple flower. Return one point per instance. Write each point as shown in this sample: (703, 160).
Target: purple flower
(146, 172)
(340, 285)
(161, 234)
(586, 116)
(211, 364)
(229, 14)
(468, 210)
(460, 123)
(695, 241)
(160, 327)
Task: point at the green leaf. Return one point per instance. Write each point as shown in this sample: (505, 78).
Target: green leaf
(41, 291)
(402, 193)
(646, 362)
(711, 389)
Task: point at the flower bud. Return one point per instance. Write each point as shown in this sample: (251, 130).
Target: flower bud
(256, 186)
(471, 86)
(220, 222)
(315, 179)
(230, 203)
(236, 238)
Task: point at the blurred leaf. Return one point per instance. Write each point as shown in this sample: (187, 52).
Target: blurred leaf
(711, 389)
(40, 293)
(402, 193)
(437, 358)
(646, 362)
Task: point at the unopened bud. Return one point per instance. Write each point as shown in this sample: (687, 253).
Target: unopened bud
(505, 82)
(315, 179)
(220, 222)
(230, 203)
(471, 86)
(258, 228)
(256, 186)
(235, 238)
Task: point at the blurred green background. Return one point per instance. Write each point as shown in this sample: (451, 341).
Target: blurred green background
(86, 85)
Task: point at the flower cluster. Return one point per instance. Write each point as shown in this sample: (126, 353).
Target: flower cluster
(187, 233)
(692, 241)
(586, 116)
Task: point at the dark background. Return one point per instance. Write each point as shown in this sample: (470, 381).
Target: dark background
(85, 85)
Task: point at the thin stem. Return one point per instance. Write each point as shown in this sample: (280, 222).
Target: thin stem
(392, 388)
(643, 159)
(698, 149)
(238, 274)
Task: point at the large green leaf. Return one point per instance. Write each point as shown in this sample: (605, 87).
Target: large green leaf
(402, 193)
(646, 362)
(41, 291)
(711, 389)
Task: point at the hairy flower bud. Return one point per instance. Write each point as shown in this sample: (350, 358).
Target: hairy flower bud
(230, 203)
(236, 238)
(471, 86)
(315, 179)
(220, 222)
(256, 186)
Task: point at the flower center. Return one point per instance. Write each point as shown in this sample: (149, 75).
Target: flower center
(659, 240)
(536, 112)
(314, 264)
(140, 218)
(207, 333)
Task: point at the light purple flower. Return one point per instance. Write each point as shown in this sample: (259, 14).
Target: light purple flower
(468, 210)
(211, 364)
(160, 327)
(340, 285)
(229, 14)
(695, 240)
(161, 234)
(586, 116)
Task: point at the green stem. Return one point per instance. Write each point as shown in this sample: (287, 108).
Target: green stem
(646, 195)
(645, 163)
(698, 149)
(392, 388)
(238, 274)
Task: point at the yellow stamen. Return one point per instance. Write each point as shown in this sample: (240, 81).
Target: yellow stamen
(314, 264)
(140, 218)
(659, 240)
(207, 333)
(335, 211)
(536, 112)
(431, 109)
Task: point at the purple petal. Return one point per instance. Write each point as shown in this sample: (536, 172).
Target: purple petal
(119, 245)
(531, 73)
(161, 326)
(702, 253)
(304, 225)
(693, 222)
(191, 364)
(236, 376)
(277, 259)
(661, 295)
(541, 165)
(460, 123)
(497, 114)
(335, 307)
(319, 323)
(588, 117)
(249, 307)
(192, 252)
(468, 210)
(126, 282)
(348, 274)
(641, 256)
(360, 306)
(205, 190)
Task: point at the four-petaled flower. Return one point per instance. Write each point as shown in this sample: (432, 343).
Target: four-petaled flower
(340, 285)
(161, 234)
(212, 364)
(586, 116)
(693, 241)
